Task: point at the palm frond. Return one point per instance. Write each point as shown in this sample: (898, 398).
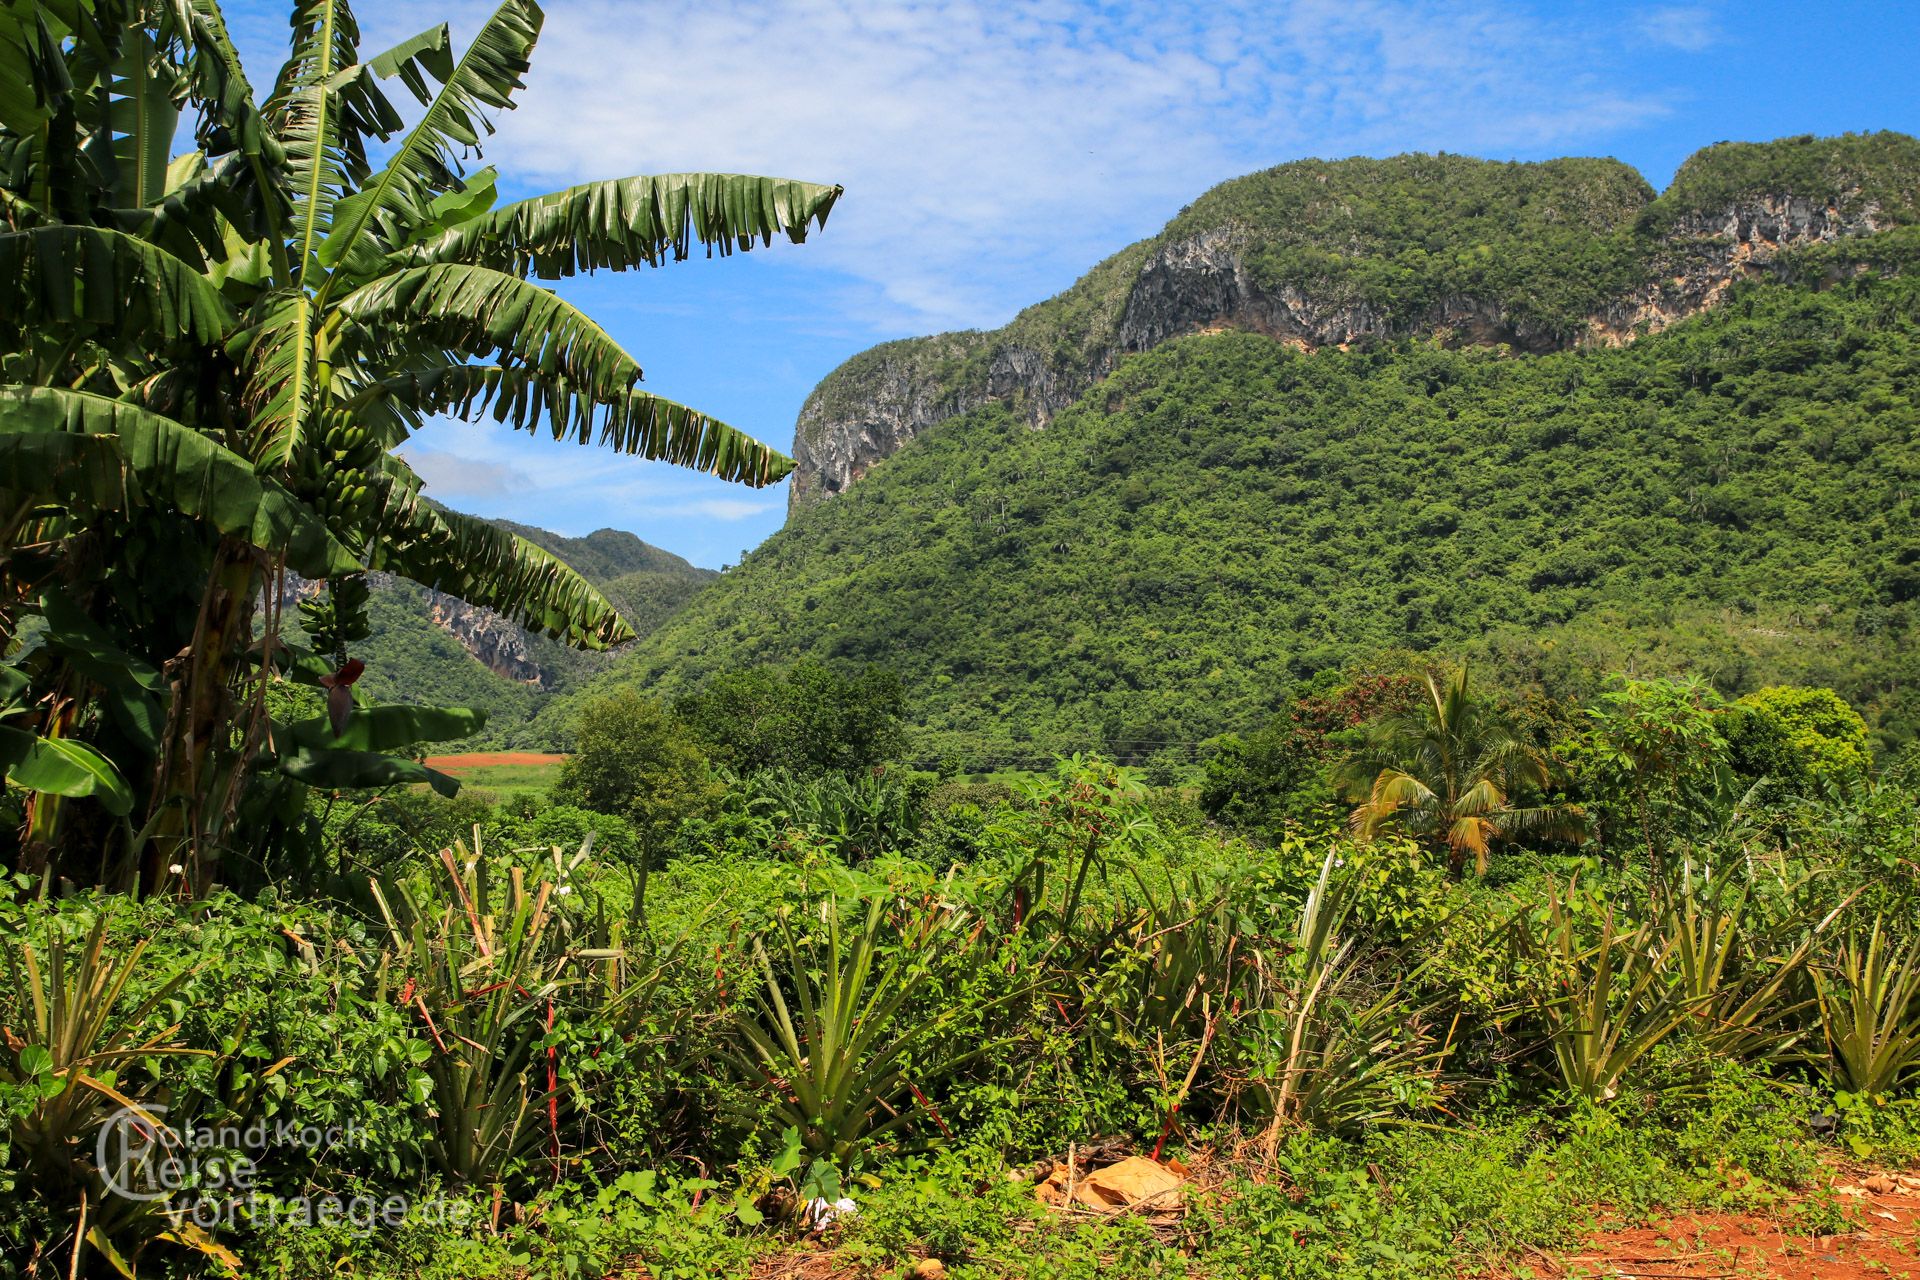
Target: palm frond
(141, 116)
(280, 376)
(324, 108)
(426, 163)
(108, 280)
(101, 454)
(486, 565)
(215, 81)
(1544, 822)
(632, 422)
(623, 222)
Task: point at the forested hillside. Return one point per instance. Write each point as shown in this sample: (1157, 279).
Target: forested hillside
(431, 649)
(1538, 256)
(1227, 514)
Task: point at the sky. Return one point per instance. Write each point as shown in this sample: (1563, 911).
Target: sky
(993, 152)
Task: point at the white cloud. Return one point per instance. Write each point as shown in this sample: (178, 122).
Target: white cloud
(451, 473)
(725, 508)
(1689, 28)
(988, 147)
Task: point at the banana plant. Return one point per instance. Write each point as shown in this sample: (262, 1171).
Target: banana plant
(208, 360)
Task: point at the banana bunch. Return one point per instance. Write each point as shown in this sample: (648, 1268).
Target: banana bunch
(339, 484)
(336, 616)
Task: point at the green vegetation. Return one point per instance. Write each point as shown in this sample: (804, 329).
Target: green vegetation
(1469, 249)
(631, 759)
(1877, 173)
(550, 1065)
(207, 366)
(1453, 771)
(412, 657)
(506, 778)
(1543, 245)
(765, 967)
(1225, 517)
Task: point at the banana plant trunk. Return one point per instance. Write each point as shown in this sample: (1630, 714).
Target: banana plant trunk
(203, 750)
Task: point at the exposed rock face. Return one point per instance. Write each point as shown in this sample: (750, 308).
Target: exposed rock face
(501, 646)
(1187, 282)
(1708, 254)
(1203, 283)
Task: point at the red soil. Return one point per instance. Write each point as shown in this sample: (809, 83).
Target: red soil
(486, 759)
(1710, 1246)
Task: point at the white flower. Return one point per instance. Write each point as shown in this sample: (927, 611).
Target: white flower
(564, 890)
(176, 869)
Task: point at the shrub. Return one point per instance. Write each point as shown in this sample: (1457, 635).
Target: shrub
(633, 760)
(1803, 740)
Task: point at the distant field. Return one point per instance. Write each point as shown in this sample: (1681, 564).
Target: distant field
(501, 770)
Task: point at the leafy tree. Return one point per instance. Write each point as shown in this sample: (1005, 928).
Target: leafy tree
(1658, 743)
(206, 364)
(1802, 740)
(806, 719)
(631, 758)
(1449, 772)
(1282, 770)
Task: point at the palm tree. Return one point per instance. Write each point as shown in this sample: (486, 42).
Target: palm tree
(1448, 772)
(208, 360)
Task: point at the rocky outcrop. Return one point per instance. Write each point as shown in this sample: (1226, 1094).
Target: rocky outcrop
(498, 644)
(1681, 256)
(1705, 254)
(1203, 282)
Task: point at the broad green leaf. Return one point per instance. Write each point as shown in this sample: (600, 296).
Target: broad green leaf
(85, 644)
(426, 162)
(64, 768)
(388, 728)
(635, 422)
(481, 311)
(623, 222)
(488, 566)
(108, 281)
(142, 117)
(87, 450)
(280, 374)
(351, 770)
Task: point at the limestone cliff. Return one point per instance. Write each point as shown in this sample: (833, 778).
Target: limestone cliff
(1537, 257)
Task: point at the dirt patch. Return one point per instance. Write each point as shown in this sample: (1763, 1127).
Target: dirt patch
(1717, 1246)
(490, 760)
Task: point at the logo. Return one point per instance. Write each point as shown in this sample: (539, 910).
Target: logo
(139, 1155)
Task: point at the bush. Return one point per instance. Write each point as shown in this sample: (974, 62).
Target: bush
(1804, 741)
(633, 760)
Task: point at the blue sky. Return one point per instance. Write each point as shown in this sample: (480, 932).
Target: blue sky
(993, 152)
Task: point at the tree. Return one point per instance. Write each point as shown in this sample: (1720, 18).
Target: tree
(207, 362)
(1281, 771)
(808, 719)
(1803, 740)
(1448, 772)
(632, 759)
(1655, 740)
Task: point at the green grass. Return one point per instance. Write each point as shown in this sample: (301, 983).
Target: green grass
(509, 777)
